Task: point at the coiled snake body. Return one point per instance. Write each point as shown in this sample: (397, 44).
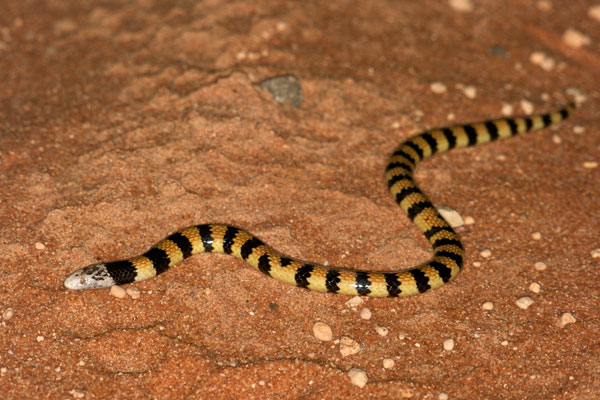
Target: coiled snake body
(448, 251)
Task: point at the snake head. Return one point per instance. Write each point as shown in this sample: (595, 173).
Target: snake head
(93, 276)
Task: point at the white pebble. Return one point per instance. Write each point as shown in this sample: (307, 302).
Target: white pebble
(40, 245)
(117, 291)
(8, 314)
(485, 253)
(3, 371)
(469, 220)
(566, 319)
(526, 106)
(358, 377)
(575, 38)
(388, 363)
(39, 338)
(461, 5)
(133, 292)
(354, 302)
(504, 343)
(76, 394)
(451, 216)
(348, 346)
(438, 87)
(381, 330)
(470, 91)
(365, 313)
(594, 12)
(536, 235)
(488, 306)
(594, 253)
(443, 396)
(476, 264)
(540, 266)
(542, 60)
(590, 164)
(507, 110)
(322, 332)
(556, 139)
(448, 344)
(401, 335)
(524, 302)
(535, 287)
(578, 129)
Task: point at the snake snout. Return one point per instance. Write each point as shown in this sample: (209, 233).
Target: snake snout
(93, 276)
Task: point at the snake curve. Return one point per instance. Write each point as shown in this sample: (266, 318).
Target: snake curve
(448, 250)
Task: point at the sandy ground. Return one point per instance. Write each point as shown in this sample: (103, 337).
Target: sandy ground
(124, 121)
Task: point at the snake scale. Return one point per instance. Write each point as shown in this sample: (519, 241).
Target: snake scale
(448, 252)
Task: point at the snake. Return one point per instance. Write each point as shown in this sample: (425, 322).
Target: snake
(448, 251)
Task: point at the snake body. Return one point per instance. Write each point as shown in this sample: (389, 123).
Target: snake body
(448, 252)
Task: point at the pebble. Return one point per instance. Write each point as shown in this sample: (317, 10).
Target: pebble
(544, 5)
(355, 302)
(507, 110)
(461, 5)
(388, 363)
(443, 396)
(488, 306)
(469, 220)
(476, 264)
(133, 292)
(448, 344)
(77, 394)
(470, 91)
(117, 291)
(8, 314)
(348, 346)
(590, 164)
(594, 253)
(451, 216)
(40, 245)
(524, 302)
(381, 330)
(3, 371)
(285, 89)
(556, 139)
(542, 60)
(526, 106)
(540, 266)
(365, 313)
(358, 377)
(535, 287)
(594, 12)
(486, 253)
(575, 38)
(536, 235)
(39, 338)
(322, 332)
(566, 319)
(438, 87)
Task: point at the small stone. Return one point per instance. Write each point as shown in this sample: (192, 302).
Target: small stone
(451, 216)
(438, 87)
(507, 110)
(542, 60)
(40, 245)
(77, 394)
(442, 396)
(39, 338)
(556, 139)
(133, 292)
(476, 264)
(488, 306)
(388, 363)
(448, 344)
(365, 313)
(540, 266)
(504, 343)
(322, 332)
(544, 5)
(535, 287)
(594, 12)
(526, 106)
(401, 335)
(524, 302)
(485, 253)
(117, 291)
(285, 89)
(461, 5)
(358, 377)
(470, 91)
(469, 220)
(575, 38)
(348, 346)
(381, 330)
(3, 371)
(536, 235)
(8, 314)
(566, 319)
(354, 302)
(590, 164)
(594, 253)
